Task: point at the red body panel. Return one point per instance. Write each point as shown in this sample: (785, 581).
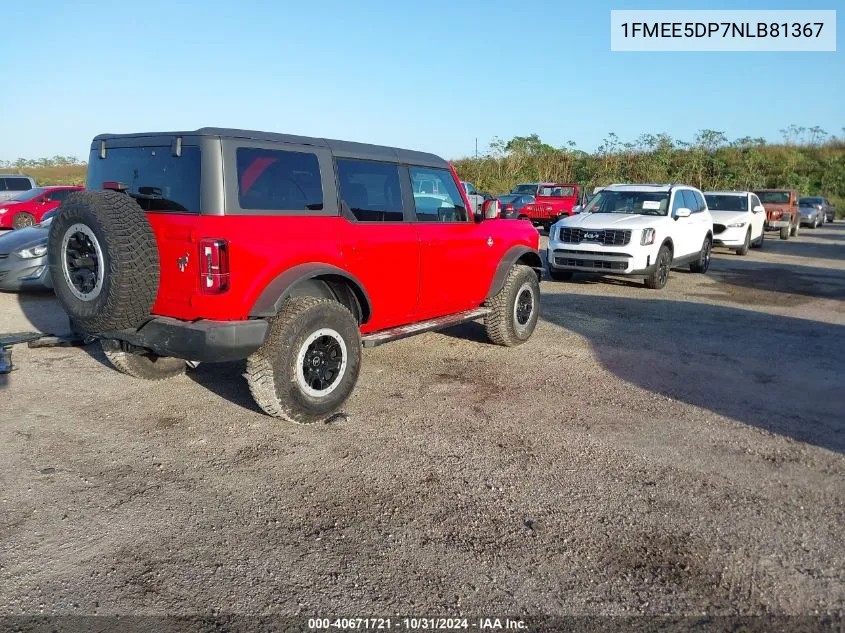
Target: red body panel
(410, 271)
(37, 206)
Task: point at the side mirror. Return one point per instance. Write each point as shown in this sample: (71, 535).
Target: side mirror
(490, 209)
(576, 208)
(683, 212)
(758, 209)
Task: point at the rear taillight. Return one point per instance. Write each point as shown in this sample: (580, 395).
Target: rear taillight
(214, 266)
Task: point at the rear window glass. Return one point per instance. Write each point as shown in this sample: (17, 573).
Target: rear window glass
(371, 190)
(15, 184)
(279, 180)
(726, 203)
(529, 189)
(158, 180)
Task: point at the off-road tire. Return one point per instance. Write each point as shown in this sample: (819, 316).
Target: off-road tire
(272, 370)
(704, 257)
(130, 273)
(659, 277)
(502, 322)
(146, 366)
(743, 250)
(23, 220)
(560, 275)
(784, 232)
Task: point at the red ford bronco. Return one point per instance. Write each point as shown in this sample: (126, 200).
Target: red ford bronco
(287, 251)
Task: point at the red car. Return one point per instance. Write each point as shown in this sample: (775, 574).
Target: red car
(29, 207)
(552, 201)
(290, 252)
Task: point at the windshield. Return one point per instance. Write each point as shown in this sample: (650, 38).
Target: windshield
(556, 191)
(726, 202)
(632, 202)
(808, 202)
(530, 189)
(29, 195)
(158, 180)
(773, 197)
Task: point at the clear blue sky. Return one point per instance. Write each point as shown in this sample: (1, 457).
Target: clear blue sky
(430, 75)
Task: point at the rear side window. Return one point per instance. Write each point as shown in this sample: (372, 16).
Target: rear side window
(59, 195)
(436, 196)
(371, 190)
(279, 180)
(156, 179)
(15, 184)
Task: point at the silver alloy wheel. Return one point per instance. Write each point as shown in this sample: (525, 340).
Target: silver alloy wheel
(321, 363)
(82, 262)
(523, 306)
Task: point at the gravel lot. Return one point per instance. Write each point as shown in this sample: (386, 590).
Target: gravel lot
(676, 451)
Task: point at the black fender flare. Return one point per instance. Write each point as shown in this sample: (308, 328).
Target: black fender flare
(284, 285)
(513, 255)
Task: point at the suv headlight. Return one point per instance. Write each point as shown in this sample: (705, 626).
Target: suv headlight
(647, 237)
(32, 251)
(737, 225)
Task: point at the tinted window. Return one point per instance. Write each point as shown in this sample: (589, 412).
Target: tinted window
(158, 180)
(679, 202)
(370, 189)
(279, 181)
(59, 194)
(17, 184)
(774, 197)
(689, 201)
(436, 196)
(724, 202)
(702, 205)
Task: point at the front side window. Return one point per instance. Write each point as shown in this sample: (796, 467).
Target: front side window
(436, 196)
(371, 190)
(278, 180)
(630, 202)
(59, 195)
(755, 201)
(156, 179)
(471, 190)
(690, 201)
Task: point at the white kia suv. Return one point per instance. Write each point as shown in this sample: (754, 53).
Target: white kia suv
(641, 230)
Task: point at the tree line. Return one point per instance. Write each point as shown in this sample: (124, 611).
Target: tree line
(808, 159)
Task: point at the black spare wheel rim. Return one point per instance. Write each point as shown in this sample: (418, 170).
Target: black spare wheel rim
(82, 262)
(523, 306)
(321, 362)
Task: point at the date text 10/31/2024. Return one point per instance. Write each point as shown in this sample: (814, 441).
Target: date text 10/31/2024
(416, 624)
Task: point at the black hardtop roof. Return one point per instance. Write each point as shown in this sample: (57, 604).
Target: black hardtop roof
(343, 149)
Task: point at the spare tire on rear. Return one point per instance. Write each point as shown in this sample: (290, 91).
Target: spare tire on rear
(103, 261)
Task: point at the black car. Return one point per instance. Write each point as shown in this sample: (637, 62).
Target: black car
(512, 204)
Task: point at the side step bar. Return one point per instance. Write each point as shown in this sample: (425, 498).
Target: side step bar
(404, 331)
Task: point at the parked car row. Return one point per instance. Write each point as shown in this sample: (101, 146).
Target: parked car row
(646, 230)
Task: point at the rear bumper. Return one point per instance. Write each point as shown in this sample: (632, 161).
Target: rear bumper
(204, 341)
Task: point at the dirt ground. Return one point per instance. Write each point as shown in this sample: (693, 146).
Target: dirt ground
(659, 452)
